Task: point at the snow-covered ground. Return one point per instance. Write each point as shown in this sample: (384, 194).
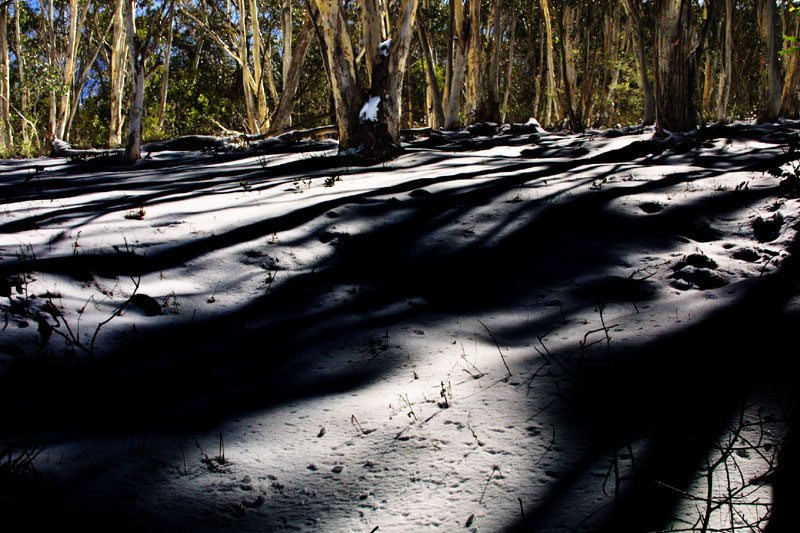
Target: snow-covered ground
(544, 332)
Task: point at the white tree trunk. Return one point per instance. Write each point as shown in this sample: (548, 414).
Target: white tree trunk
(550, 101)
(133, 146)
(6, 136)
(119, 66)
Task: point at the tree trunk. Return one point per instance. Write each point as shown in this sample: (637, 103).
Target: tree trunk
(459, 44)
(540, 66)
(475, 99)
(162, 101)
(48, 16)
(634, 10)
(119, 54)
(368, 126)
(6, 136)
(372, 26)
(509, 67)
(239, 30)
(282, 116)
(707, 84)
(769, 111)
(551, 80)
(27, 127)
(288, 51)
(451, 42)
(676, 45)
(435, 111)
(569, 44)
(133, 145)
(727, 65)
(611, 68)
(258, 70)
(493, 101)
(139, 51)
(790, 97)
(244, 62)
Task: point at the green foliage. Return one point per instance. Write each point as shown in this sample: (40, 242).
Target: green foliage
(205, 90)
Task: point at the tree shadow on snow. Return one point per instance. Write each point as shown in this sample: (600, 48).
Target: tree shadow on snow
(679, 390)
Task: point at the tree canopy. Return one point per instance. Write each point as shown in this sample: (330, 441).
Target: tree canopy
(68, 68)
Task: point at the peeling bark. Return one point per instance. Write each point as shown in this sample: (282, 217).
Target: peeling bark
(378, 138)
(771, 108)
(119, 53)
(676, 48)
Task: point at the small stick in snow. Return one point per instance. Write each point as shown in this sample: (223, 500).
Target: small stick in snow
(354, 421)
(495, 468)
(496, 344)
(411, 409)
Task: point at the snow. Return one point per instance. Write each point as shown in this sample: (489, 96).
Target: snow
(369, 111)
(477, 337)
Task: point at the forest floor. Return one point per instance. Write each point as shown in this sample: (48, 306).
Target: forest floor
(537, 331)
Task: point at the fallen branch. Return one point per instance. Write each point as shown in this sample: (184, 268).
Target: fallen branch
(59, 148)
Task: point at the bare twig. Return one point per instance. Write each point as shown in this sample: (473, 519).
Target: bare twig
(496, 344)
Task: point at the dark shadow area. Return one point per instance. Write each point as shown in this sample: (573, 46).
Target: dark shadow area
(677, 391)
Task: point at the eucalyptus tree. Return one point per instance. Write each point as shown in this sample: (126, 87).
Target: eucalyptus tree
(459, 29)
(119, 66)
(772, 101)
(679, 42)
(727, 65)
(635, 11)
(433, 93)
(367, 108)
(293, 59)
(73, 33)
(140, 49)
(235, 27)
(551, 101)
(790, 103)
(6, 133)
